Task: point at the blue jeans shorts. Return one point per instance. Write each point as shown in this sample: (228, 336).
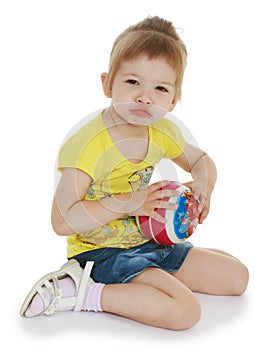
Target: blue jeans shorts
(117, 265)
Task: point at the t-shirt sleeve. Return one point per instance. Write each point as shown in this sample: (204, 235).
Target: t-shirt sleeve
(171, 138)
(80, 152)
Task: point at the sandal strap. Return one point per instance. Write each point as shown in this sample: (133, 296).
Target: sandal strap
(55, 294)
(45, 296)
(85, 281)
(58, 302)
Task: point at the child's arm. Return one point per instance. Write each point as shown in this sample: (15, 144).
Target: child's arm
(204, 174)
(71, 213)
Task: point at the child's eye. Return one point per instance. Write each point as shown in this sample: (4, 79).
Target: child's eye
(132, 82)
(161, 88)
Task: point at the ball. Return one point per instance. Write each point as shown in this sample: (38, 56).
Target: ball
(181, 222)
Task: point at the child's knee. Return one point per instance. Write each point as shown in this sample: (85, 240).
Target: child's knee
(190, 313)
(241, 278)
(186, 314)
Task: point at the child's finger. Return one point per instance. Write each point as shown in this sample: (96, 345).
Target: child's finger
(169, 193)
(158, 185)
(167, 205)
(158, 217)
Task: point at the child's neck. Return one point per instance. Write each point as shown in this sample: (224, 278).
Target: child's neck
(131, 140)
(122, 129)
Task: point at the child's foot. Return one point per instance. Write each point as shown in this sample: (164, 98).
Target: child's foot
(70, 288)
(36, 307)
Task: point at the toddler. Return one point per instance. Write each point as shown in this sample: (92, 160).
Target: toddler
(106, 170)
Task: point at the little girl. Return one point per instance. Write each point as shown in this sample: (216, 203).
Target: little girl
(106, 169)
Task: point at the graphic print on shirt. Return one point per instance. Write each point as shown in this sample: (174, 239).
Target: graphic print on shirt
(140, 179)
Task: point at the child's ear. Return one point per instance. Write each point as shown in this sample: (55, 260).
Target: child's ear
(173, 104)
(106, 89)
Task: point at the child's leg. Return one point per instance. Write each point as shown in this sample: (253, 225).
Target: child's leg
(154, 298)
(213, 272)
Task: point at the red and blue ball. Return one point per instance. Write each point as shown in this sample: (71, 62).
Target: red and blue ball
(181, 222)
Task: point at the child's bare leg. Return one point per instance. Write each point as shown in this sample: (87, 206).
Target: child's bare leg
(221, 252)
(154, 298)
(213, 272)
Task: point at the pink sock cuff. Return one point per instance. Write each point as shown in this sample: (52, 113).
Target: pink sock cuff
(92, 301)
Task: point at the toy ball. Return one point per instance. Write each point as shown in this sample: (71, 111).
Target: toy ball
(181, 222)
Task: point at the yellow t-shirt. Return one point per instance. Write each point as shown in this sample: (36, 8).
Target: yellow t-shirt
(92, 150)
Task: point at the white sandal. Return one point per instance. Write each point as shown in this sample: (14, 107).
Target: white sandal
(81, 278)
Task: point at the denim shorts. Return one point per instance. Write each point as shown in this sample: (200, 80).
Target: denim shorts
(117, 265)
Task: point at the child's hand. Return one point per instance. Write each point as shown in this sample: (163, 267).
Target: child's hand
(144, 202)
(203, 199)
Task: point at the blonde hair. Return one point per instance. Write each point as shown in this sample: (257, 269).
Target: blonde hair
(155, 37)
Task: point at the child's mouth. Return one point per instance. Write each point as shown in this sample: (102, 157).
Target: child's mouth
(140, 112)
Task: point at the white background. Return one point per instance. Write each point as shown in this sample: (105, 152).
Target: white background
(52, 54)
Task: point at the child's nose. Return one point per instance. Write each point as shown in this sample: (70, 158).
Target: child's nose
(144, 98)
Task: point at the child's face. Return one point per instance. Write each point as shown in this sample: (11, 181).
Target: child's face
(143, 90)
